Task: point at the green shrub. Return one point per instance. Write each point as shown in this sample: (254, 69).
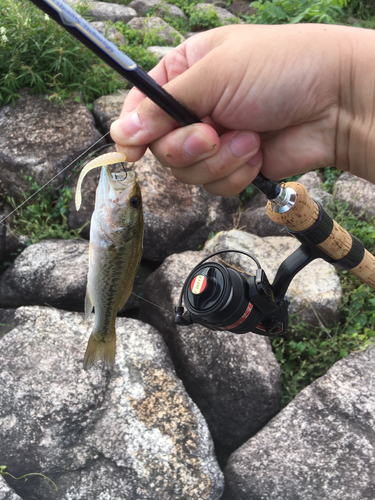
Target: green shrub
(201, 19)
(295, 11)
(331, 174)
(35, 52)
(46, 215)
(137, 43)
(307, 352)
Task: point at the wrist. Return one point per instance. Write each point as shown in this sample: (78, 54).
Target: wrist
(355, 143)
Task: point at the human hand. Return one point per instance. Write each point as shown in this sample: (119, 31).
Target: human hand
(295, 91)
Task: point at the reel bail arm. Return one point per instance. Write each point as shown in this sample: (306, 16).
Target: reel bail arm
(223, 299)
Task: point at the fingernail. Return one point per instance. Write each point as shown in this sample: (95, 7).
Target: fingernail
(243, 143)
(257, 159)
(127, 126)
(197, 144)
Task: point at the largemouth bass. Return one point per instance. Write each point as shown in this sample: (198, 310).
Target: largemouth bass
(116, 239)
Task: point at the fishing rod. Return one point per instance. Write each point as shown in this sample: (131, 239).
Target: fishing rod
(225, 299)
(263, 307)
(81, 29)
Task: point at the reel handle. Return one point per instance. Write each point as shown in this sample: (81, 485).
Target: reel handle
(310, 223)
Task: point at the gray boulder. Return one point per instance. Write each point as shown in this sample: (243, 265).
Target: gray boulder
(109, 32)
(177, 216)
(103, 11)
(11, 242)
(234, 379)
(254, 219)
(50, 272)
(107, 109)
(241, 7)
(170, 10)
(40, 138)
(6, 492)
(162, 8)
(357, 193)
(322, 445)
(159, 52)
(159, 27)
(314, 292)
(225, 17)
(14, 243)
(312, 180)
(321, 196)
(217, 3)
(54, 273)
(128, 432)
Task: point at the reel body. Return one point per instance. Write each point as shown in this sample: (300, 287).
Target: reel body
(221, 298)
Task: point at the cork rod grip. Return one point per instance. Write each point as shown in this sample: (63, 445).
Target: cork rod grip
(309, 221)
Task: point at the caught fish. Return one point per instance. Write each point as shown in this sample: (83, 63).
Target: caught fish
(116, 240)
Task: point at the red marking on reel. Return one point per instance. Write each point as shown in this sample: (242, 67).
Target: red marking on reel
(242, 318)
(198, 284)
(262, 329)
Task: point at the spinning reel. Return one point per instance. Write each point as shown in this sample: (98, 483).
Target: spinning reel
(224, 299)
(221, 298)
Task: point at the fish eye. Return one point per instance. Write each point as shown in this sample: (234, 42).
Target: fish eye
(135, 201)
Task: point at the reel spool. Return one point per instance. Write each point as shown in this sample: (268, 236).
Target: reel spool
(223, 299)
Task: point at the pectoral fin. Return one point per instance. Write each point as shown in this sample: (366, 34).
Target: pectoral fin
(89, 304)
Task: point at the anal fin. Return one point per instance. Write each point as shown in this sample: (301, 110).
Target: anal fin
(89, 304)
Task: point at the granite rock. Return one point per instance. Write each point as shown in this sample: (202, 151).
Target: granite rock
(234, 379)
(40, 139)
(322, 445)
(358, 194)
(128, 432)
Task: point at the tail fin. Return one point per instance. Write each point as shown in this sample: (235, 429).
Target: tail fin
(100, 346)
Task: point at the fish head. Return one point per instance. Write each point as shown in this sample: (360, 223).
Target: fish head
(119, 198)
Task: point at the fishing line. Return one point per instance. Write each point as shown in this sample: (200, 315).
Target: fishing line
(152, 303)
(57, 175)
(53, 178)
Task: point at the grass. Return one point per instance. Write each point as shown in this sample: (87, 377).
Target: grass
(35, 52)
(307, 352)
(46, 215)
(137, 43)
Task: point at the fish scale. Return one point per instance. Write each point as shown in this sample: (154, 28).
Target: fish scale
(116, 241)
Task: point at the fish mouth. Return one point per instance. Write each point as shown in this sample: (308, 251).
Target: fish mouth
(119, 180)
(115, 187)
(115, 194)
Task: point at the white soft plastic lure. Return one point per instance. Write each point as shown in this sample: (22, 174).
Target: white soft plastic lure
(100, 161)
